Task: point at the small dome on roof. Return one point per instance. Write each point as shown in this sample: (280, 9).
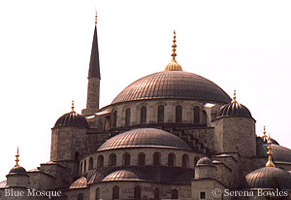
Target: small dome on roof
(17, 170)
(125, 175)
(145, 137)
(234, 109)
(79, 183)
(71, 119)
(269, 177)
(204, 161)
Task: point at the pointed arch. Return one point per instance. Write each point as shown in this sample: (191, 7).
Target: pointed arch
(185, 160)
(141, 159)
(90, 163)
(127, 117)
(179, 112)
(115, 192)
(126, 159)
(143, 115)
(161, 114)
(112, 160)
(100, 161)
(196, 114)
(171, 159)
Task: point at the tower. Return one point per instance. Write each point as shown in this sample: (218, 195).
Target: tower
(93, 91)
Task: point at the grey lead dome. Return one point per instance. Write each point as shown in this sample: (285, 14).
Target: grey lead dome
(144, 137)
(173, 85)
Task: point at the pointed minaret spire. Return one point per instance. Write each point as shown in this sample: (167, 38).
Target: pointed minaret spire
(94, 77)
(173, 65)
(94, 68)
(17, 158)
(270, 162)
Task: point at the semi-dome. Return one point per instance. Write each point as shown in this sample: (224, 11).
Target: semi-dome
(269, 177)
(17, 170)
(125, 175)
(145, 137)
(204, 161)
(234, 109)
(71, 119)
(173, 85)
(79, 183)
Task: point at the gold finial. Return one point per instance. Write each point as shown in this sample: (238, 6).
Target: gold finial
(174, 46)
(173, 65)
(234, 97)
(95, 16)
(17, 158)
(265, 137)
(73, 106)
(270, 162)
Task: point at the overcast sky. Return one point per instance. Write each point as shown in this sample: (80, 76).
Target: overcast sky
(45, 49)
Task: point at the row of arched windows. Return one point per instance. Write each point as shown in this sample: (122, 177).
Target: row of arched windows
(137, 193)
(126, 160)
(160, 116)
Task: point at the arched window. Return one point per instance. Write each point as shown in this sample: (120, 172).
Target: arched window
(204, 117)
(178, 114)
(161, 114)
(126, 159)
(100, 161)
(112, 160)
(80, 196)
(114, 120)
(127, 117)
(85, 166)
(81, 167)
(141, 159)
(137, 193)
(196, 160)
(156, 194)
(115, 192)
(196, 114)
(174, 194)
(143, 115)
(90, 163)
(171, 159)
(97, 195)
(185, 161)
(156, 158)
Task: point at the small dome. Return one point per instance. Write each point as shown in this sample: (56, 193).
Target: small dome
(145, 137)
(125, 175)
(71, 119)
(234, 109)
(79, 183)
(17, 170)
(269, 177)
(204, 161)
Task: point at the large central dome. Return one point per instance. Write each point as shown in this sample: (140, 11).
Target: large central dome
(173, 85)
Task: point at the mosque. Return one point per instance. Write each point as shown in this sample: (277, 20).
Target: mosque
(169, 135)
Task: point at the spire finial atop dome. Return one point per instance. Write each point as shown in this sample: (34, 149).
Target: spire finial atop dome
(173, 65)
(174, 46)
(17, 157)
(73, 106)
(234, 97)
(270, 162)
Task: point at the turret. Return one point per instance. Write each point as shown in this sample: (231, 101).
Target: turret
(94, 77)
(235, 130)
(17, 177)
(69, 141)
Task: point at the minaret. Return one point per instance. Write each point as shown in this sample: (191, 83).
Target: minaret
(93, 92)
